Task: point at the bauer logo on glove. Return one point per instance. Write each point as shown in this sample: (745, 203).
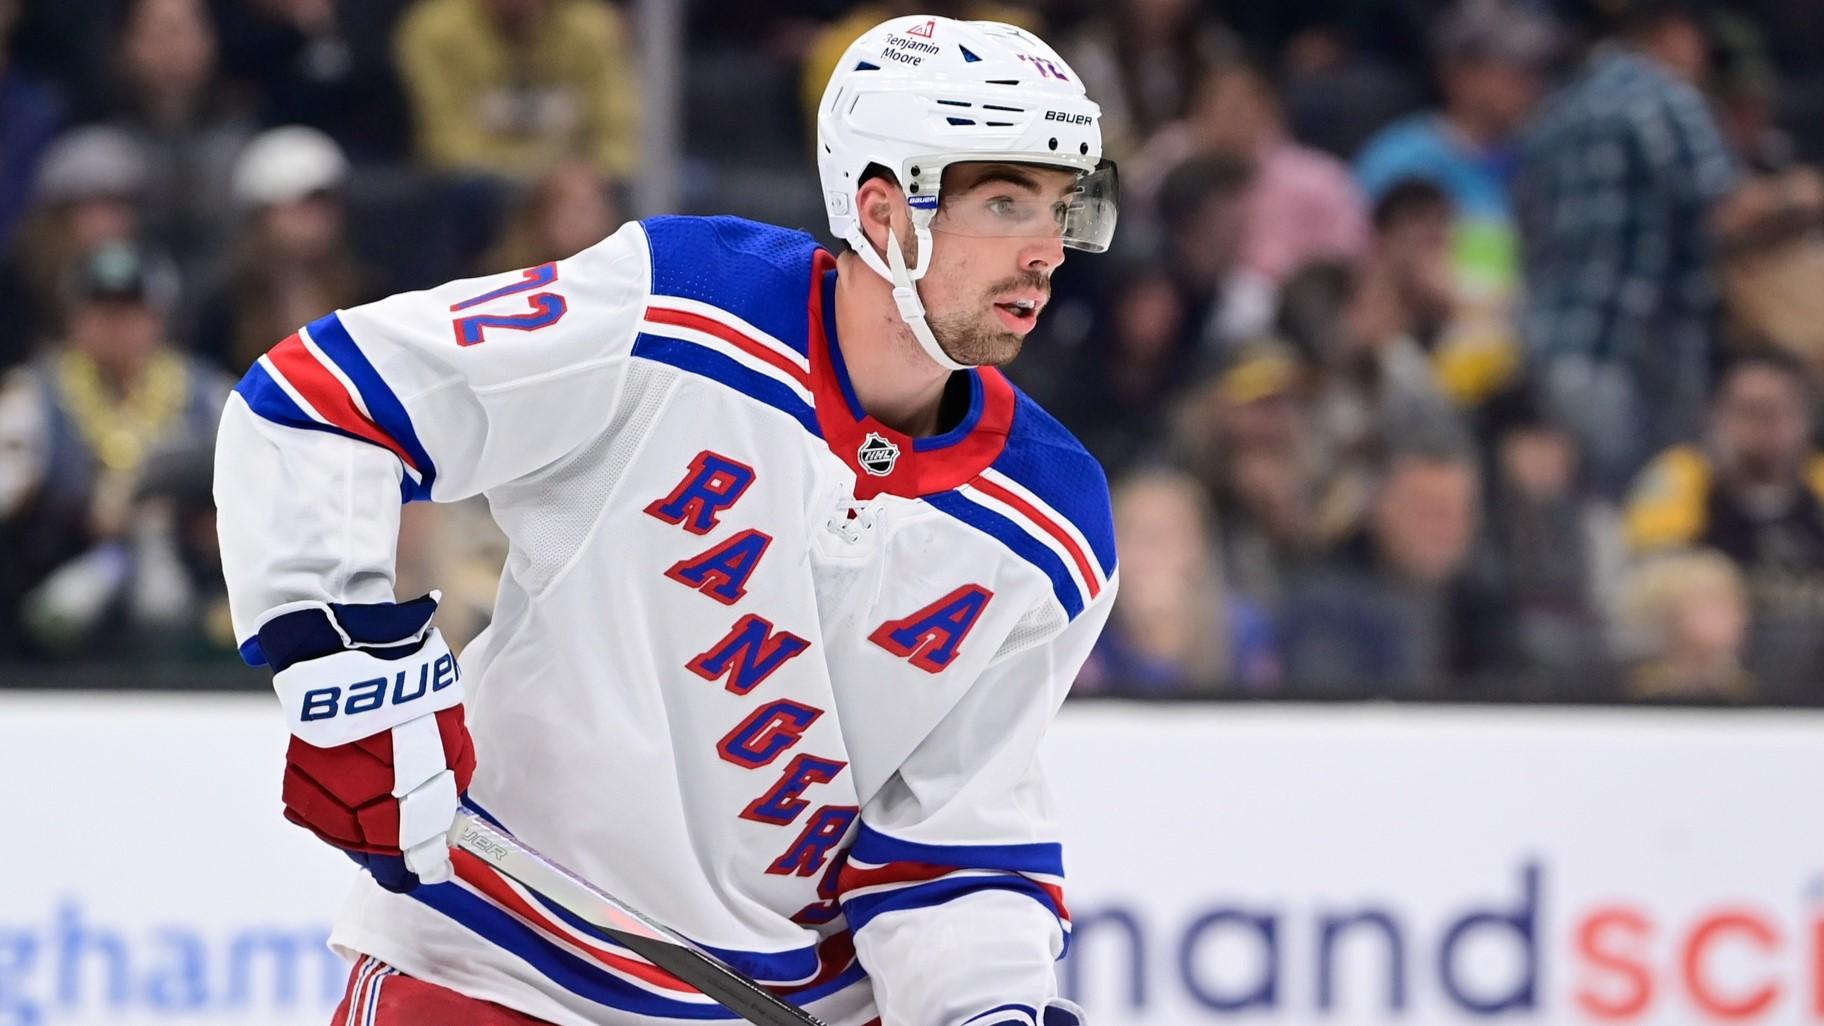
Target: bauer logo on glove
(326, 702)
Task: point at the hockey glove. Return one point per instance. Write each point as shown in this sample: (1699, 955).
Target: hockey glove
(379, 753)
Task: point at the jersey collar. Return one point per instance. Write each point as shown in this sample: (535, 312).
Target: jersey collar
(885, 460)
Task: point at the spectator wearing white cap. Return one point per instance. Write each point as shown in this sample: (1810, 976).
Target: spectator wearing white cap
(291, 261)
(86, 194)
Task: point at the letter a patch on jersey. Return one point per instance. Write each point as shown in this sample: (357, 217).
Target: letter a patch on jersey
(931, 637)
(722, 572)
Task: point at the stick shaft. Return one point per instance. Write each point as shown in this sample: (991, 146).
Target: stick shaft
(626, 925)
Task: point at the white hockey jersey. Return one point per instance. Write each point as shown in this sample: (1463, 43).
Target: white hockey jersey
(743, 628)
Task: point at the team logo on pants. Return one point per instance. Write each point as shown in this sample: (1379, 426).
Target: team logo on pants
(877, 455)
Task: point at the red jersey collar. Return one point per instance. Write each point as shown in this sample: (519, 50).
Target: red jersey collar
(885, 460)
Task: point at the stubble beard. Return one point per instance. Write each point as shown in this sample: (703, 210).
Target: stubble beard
(968, 340)
(977, 338)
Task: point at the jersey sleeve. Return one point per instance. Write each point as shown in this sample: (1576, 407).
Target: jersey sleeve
(954, 886)
(440, 394)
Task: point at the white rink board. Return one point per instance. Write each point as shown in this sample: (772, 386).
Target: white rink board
(160, 884)
(153, 881)
(1688, 843)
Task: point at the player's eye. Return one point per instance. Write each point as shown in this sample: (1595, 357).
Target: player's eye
(1001, 206)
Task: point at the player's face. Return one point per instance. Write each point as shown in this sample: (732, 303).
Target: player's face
(996, 240)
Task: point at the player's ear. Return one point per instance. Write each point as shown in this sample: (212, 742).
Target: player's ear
(875, 204)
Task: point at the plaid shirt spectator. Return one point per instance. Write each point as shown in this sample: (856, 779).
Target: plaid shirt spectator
(1617, 177)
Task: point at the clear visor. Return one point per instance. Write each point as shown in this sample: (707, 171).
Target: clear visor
(1082, 217)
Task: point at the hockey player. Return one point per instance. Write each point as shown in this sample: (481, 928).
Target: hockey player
(796, 579)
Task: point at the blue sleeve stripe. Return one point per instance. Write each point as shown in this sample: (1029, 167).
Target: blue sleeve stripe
(266, 399)
(1024, 545)
(332, 337)
(1092, 519)
(704, 361)
(861, 911)
(1048, 461)
(878, 849)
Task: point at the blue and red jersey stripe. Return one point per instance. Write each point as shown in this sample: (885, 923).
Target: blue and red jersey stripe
(887, 874)
(576, 955)
(316, 367)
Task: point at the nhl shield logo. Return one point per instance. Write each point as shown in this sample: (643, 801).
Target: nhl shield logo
(877, 455)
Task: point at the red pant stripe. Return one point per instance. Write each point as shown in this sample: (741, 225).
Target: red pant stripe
(379, 995)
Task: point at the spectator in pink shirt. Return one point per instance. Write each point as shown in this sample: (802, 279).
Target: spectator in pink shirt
(1303, 205)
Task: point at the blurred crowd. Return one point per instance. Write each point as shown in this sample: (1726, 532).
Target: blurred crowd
(1450, 349)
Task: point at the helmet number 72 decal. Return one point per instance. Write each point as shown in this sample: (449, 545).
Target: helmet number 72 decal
(1046, 68)
(547, 307)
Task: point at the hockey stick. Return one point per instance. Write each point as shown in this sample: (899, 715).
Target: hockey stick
(729, 987)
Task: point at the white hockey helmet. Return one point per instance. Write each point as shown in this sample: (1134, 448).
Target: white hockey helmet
(919, 93)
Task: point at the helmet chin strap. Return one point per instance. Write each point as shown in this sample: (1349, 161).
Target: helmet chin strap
(905, 288)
